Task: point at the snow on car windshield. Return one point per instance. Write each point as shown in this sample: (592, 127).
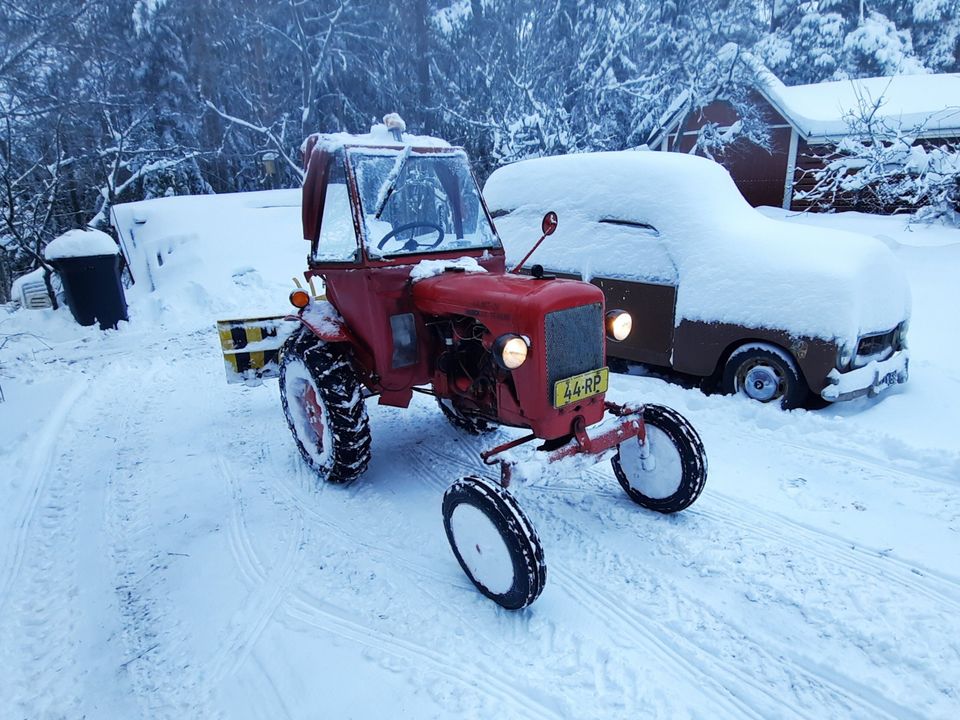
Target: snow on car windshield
(415, 203)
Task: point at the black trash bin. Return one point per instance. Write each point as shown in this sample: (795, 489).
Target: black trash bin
(91, 276)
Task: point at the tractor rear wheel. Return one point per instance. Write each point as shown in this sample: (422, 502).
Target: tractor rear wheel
(324, 408)
(494, 542)
(668, 470)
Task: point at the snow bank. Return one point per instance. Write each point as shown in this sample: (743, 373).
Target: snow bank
(690, 222)
(195, 258)
(81, 243)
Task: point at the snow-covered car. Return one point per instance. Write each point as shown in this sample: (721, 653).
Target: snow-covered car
(756, 306)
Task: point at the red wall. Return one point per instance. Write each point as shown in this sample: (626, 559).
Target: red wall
(760, 174)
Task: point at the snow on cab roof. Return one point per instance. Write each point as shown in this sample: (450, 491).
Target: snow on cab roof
(928, 104)
(380, 135)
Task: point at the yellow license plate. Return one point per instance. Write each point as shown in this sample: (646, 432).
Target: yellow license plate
(581, 386)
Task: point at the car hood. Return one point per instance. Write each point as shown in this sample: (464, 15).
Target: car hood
(810, 281)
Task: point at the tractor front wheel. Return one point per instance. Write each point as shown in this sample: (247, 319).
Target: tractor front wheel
(324, 408)
(667, 471)
(494, 542)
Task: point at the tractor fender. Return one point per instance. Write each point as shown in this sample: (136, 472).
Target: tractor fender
(327, 329)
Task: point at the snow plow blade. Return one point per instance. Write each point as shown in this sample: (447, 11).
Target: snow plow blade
(251, 347)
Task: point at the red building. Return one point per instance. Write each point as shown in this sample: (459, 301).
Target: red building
(805, 122)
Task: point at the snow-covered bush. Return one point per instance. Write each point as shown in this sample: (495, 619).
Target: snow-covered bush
(879, 168)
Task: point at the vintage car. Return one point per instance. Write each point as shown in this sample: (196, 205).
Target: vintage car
(774, 311)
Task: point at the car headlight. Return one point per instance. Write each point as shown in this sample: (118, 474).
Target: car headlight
(901, 341)
(845, 355)
(619, 324)
(510, 351)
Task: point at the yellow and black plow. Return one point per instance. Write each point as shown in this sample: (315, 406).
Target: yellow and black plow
(251, 347)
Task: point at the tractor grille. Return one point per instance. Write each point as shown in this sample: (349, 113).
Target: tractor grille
(574, 342)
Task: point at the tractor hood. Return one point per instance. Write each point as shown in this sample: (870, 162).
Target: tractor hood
(502, 302)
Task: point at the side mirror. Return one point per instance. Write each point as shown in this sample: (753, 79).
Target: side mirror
(549, 223)
(549, 226)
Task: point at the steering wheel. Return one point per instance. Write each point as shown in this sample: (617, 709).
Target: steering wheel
(412, 244)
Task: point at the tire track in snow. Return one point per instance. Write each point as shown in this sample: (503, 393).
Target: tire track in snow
(798, 671)
(42, 623)
(166, 680)
(688, 663)
(868, 700)
(947, 474)
(249, 565)
(595, 603)
(308, 504)
(314, 613)
(831, 548)
(37, 476)
(843, 553)
(270, 586)
(852, 693)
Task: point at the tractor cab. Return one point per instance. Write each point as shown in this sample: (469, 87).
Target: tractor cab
(372, 200)
(374, 206)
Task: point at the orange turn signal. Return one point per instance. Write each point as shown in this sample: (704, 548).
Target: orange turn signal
(299, 298)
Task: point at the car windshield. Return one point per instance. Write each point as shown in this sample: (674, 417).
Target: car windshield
(415, 203)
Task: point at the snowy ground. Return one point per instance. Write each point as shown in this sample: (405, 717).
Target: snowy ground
(165, 553)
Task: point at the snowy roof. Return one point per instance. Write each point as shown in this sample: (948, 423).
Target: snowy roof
(929, 103)
(81, 243)
(378, 136)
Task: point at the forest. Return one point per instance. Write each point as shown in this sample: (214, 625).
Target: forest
(109, 101)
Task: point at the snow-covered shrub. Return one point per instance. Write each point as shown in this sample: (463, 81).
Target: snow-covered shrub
(879, 168)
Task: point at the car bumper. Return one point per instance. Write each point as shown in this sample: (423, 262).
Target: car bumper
(871, 379)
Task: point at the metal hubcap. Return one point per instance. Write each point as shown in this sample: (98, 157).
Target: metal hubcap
(762, 383)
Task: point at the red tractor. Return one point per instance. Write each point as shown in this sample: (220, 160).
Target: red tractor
(418, 299)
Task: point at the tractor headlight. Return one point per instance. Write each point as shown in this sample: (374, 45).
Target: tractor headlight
(510, 351)
(619, 324)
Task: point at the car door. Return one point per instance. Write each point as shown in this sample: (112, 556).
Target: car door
(638, 275)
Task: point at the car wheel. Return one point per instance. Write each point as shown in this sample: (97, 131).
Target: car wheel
(494, 542)
(765, 373)
(324, 408)
(667, 472)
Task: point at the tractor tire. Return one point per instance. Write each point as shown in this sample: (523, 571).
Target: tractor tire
(324, 408)
(765, 373)
(673, 475)
(471, 424)
(494, 542)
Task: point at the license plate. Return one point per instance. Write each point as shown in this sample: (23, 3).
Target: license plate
(888, 380)
(578, 387)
